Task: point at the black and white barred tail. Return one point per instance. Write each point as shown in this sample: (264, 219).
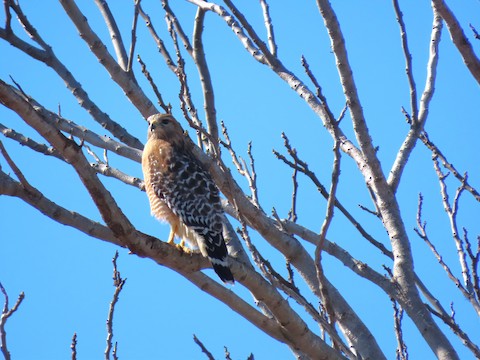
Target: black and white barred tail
(222, 269)
(212, 245)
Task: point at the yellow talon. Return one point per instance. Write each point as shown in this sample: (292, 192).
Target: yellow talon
(183, 247)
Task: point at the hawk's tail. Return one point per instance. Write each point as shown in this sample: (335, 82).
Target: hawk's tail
(222, 270)
(214, 247)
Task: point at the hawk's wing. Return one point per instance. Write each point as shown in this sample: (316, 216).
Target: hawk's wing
(189, 191)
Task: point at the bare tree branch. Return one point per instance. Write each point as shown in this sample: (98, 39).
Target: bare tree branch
(115, 34)
(417, 123)
(408, 61)
(295, 253)
(159, 42)
(474, 260)
(205, 79)
(25, 141)
(299, 337)
(272, 290)
(475, 32)
(118, 282)
(302, 166)
(47, 56)
(15, 169)
(207, 353)
(134, 36)
(401, 351)
(459, 39)
(422, 233)
(450, 321)
(104, 201)
(436, 153)
(6, 314)
(326, 300)
(166, 108)
(269, 26)
(73, 346)
(123, 78)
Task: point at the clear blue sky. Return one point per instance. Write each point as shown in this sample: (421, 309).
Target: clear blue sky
(66, 276)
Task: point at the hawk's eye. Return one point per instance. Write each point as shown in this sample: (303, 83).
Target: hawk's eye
(165, 121)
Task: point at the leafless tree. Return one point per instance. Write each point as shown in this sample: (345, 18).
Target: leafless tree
(341, 332)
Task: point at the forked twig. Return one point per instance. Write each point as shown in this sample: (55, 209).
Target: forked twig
(303, 167)
(449, 166)
(422, 233)
(6, 314)
(118, 282)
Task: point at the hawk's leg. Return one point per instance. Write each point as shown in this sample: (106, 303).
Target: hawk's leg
(171, 237)
(171, 240)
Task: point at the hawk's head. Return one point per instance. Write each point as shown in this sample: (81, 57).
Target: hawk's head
(165, 127)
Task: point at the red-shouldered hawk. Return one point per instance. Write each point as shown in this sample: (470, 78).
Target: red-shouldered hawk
(182, 192)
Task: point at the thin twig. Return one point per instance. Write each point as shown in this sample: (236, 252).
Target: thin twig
(73, 346)
(401, 351)
(242, 168)
(110, 171)
(371, 212)
(475, 32)
(269, 26)
(252, 176)
(114, 351)
(118, 282)
(160, 44)
(251, 32)
(15, 169)
(474, 260)
(6, 314)
(178, 27)
(8, 16)
(452, 210)
(422, 233)
(417, 124)
(318, 88)
(134, 36)
(207, 353)
(450, 321)
(146, 73)
(342, 113)
(449, 166)
(408, 61)
(292, 214)
(186, 103)
(227, 353)
(238, 28)
(323, 233)
(302, 166)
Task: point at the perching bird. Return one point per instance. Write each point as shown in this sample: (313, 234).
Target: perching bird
(182, 192)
